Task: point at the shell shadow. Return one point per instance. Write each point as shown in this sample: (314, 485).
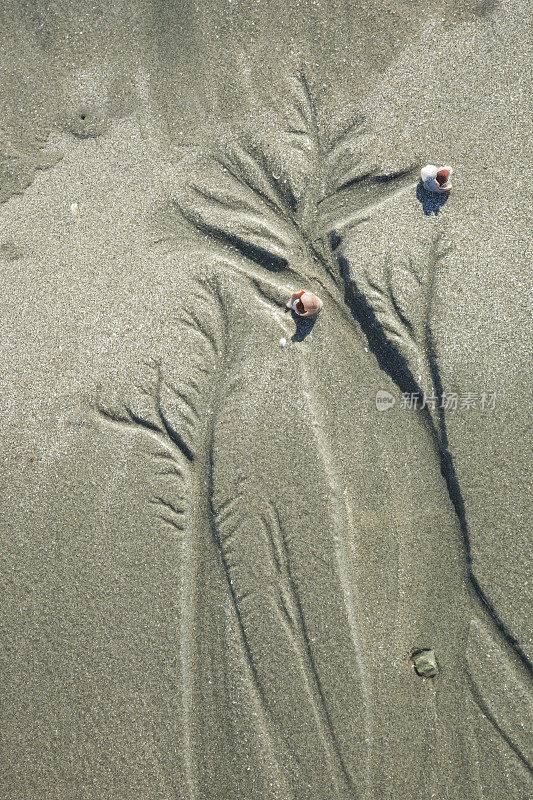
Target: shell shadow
(430, 201)
(304, 326)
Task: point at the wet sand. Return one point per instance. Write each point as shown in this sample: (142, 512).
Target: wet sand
(218, 557)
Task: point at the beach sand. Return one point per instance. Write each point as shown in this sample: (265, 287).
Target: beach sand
(218, 556)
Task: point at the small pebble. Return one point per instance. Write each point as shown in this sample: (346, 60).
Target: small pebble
(282, 342)
(425, 663)
(75, 210)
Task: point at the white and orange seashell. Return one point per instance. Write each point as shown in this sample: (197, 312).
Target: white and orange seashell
(304, 303)
(436, 179)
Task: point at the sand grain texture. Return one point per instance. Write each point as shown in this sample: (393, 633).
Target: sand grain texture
(218, 556)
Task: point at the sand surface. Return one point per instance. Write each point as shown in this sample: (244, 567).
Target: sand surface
(219, 558)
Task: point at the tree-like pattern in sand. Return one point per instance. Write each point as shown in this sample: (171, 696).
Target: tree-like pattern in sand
(305, 591)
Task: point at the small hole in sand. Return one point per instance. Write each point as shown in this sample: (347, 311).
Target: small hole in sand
(82, 116)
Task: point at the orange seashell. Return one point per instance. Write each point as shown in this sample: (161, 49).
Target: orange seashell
(442, 177)
(304, 303)
(436, 179)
